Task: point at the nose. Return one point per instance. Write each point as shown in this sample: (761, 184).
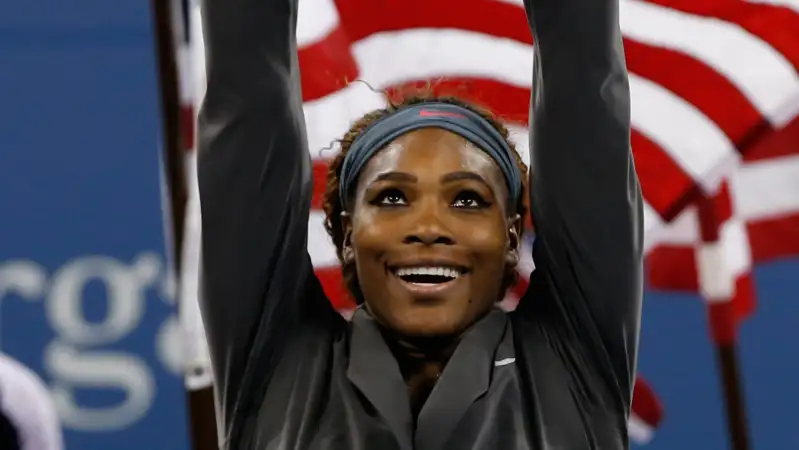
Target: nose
(428, 229)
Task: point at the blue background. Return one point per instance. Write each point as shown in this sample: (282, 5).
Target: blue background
(79, 152)
(79, 130)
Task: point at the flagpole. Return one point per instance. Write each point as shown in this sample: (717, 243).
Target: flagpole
(737, 423)
(718, 286)
(200, 403)
(170, 115)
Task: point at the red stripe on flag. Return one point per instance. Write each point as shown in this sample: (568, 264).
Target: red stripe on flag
(333, 285)
(646, 404)
(187, 127)
(326, 66)
(745, 301)
(722, 323)
(662, 179)
(672, 268)
(774, 237)
(507, 20)
(319, 173)
(781, 142)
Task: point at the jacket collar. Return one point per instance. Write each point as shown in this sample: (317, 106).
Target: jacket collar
(375, 372)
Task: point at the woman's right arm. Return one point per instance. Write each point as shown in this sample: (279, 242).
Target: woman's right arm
(258, 286)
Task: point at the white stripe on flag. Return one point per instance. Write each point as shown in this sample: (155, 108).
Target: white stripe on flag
(683, 230)
(767, 188)
(391, 58)
(639, 431)
(328, 118)
(653, 226)
(320, 247)
(315, 20)
(716, 282)
(198, 53)
(520, 135)
(733, 236)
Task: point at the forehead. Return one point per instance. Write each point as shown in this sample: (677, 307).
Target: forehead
(432, 152)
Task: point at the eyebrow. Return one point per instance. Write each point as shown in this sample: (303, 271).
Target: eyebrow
(395, 176)
(463, 175)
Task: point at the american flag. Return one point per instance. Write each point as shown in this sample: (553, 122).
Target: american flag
(715, 100)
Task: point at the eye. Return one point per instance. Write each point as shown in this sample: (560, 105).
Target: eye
(390, 197)
(469, 200)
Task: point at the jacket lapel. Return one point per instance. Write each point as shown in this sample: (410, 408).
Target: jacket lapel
(465, 379)
(374, 371)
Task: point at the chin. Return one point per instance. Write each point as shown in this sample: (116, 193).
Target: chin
(429, 321)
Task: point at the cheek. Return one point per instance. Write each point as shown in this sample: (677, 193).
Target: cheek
(369, 234)
(489, 252)
(488, 240)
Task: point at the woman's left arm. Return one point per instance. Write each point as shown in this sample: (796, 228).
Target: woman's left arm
(585, 197)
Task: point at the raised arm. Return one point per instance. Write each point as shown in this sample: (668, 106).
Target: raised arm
(255, 189)
(585, 197)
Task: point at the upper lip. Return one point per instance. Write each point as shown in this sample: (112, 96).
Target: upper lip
(437, 262)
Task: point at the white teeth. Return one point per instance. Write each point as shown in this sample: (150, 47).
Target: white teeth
(439, 271)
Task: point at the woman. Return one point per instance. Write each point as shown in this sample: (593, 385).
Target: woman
(425, 209)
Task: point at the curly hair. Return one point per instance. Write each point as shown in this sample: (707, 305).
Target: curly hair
(332, 203)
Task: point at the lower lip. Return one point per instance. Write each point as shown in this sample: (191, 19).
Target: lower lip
(425, 289)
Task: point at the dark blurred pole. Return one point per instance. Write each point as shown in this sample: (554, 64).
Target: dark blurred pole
(737, 423)
(200, 403)
(170, 116)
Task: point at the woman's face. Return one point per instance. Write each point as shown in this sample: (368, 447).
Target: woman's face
(431, 234)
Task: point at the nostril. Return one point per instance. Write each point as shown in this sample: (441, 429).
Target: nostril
(428, 239)
(413, 239)
(445, 240)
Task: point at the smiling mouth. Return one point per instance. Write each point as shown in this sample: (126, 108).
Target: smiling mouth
(428, 275)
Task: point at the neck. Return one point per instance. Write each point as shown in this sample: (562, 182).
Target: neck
(425, 350)
(421, 361)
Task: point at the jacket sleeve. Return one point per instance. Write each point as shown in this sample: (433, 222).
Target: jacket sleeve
(258, 286)
(584, 192)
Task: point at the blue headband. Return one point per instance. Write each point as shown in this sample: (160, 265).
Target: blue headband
(454, 118)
